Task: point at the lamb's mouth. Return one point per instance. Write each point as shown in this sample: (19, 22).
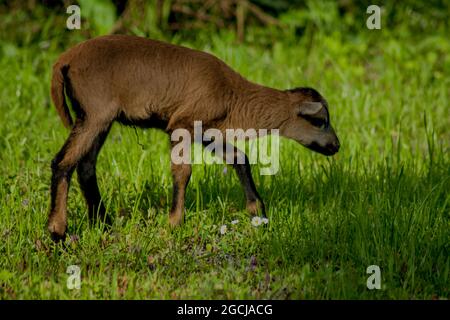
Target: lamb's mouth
(327, 150)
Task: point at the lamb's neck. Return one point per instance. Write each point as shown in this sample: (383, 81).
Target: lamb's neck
(260, 107)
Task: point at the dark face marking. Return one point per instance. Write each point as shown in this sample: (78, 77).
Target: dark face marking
(327, 150)
(318, 121)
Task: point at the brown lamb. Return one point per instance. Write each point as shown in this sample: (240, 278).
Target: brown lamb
(152, 84)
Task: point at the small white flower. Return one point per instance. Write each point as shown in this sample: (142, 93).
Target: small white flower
(225, 170)
(223, 229)
(265, 220)
(256, 221)
(235, 222)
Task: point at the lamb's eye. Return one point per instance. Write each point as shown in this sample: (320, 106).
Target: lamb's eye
(319, 123)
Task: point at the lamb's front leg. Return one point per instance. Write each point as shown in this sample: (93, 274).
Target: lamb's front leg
(181, 174)
(254, 204)
(241, 165)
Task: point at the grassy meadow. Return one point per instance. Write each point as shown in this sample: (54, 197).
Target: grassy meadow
(382, 200)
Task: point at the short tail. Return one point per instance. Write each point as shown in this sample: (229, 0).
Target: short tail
(57, 92)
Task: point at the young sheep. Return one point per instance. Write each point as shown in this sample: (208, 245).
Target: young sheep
(152, 84)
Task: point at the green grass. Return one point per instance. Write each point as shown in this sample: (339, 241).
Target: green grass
(383, 200)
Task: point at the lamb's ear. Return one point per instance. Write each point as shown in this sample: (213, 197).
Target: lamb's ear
(309, 108)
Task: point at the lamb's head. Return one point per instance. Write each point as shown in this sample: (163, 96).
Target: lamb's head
(309, 121)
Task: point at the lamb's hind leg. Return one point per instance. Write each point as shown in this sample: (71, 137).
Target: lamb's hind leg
(181, 174)
(87, 179)
(77, 145)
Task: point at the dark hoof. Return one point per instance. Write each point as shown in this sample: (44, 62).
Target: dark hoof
(57, 238)
(57, 229)
(256, 208)
(106, 220)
